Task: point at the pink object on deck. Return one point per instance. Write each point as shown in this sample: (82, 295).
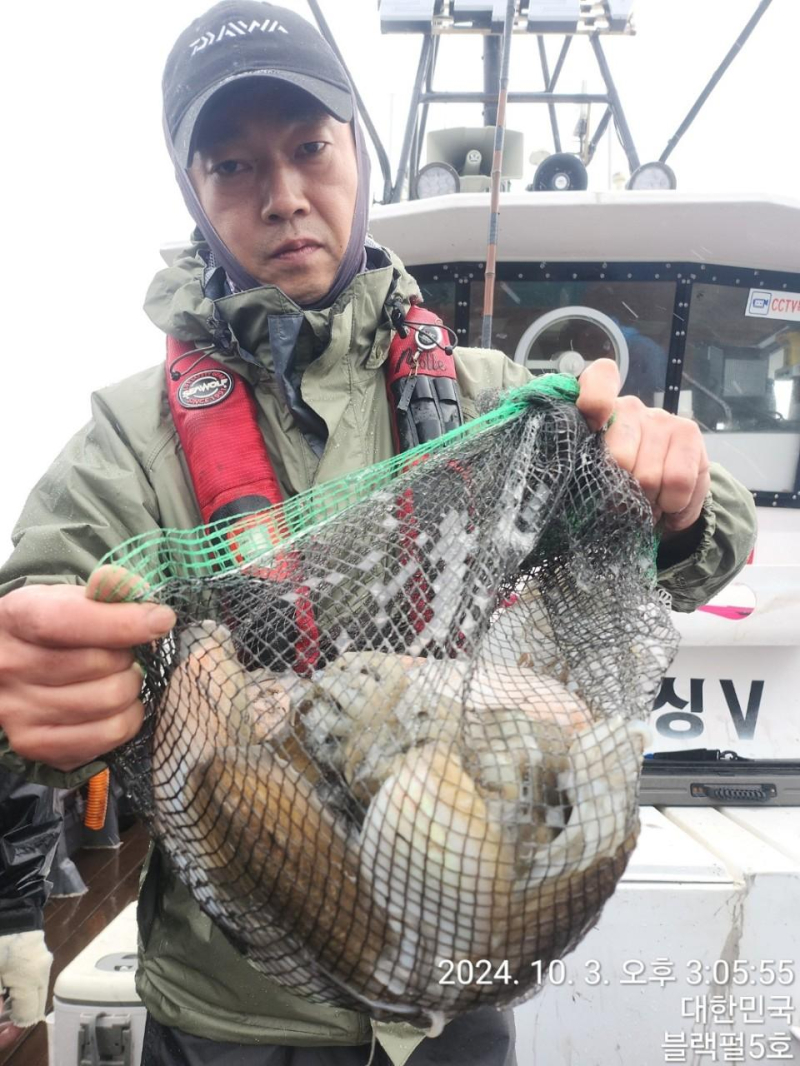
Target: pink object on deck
(735, 614)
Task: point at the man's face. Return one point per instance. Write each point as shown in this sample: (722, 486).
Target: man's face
(277, 177)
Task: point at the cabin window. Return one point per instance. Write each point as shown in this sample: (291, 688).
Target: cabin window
(439, 297)
(693, 348)
(741, 383)
(642, 309)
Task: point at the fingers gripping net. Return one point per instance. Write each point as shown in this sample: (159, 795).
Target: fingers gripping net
(400, 721)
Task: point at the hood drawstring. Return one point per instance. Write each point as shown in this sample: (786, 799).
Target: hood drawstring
(177, 374)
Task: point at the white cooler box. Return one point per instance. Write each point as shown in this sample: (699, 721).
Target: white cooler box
(97, 1015)
(696, 957)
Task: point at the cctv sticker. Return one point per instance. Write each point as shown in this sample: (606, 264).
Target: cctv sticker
(761, 303)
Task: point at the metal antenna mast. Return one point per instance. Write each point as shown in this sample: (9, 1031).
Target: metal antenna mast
(436, 20)
(380, 151)
(715, 77)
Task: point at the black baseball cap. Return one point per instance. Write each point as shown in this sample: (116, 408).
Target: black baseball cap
(242, 39)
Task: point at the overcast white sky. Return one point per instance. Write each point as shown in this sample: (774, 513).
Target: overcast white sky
(89, 196)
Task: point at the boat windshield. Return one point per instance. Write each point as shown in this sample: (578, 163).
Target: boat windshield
(698, 345)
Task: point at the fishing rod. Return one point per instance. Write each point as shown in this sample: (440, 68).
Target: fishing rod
(497, 167)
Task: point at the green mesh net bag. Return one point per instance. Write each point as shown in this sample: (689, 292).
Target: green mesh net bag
(393, 745)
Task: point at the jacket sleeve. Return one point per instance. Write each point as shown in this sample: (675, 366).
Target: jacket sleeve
(94, 496)
(727, 529)
(727, 536)
(29, 832)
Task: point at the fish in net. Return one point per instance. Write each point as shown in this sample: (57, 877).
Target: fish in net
(399, 724)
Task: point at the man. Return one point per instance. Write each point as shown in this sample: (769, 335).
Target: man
(282, 285)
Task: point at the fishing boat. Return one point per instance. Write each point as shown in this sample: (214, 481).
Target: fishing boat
(720, 844)
(697, 297)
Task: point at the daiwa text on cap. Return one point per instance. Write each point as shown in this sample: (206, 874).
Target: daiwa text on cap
(245, 38)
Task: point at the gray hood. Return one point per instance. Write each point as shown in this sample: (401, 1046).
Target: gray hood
(354, 259)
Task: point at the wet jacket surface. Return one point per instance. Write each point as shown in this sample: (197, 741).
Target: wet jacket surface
(125, 474)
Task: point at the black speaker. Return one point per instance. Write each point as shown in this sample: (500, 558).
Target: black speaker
(562, 172)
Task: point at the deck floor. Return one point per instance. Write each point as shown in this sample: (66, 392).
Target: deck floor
(112, 878)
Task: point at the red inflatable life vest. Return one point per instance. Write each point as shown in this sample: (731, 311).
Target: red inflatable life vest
(216, 417)
(215, 413)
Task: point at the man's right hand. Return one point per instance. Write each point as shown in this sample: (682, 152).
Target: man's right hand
(69, 686)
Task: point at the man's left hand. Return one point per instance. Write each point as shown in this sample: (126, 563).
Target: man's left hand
(664, 453)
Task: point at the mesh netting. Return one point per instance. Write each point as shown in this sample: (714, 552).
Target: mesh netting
(399, 724)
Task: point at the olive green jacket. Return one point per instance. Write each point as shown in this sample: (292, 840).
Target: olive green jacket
(125, 474)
